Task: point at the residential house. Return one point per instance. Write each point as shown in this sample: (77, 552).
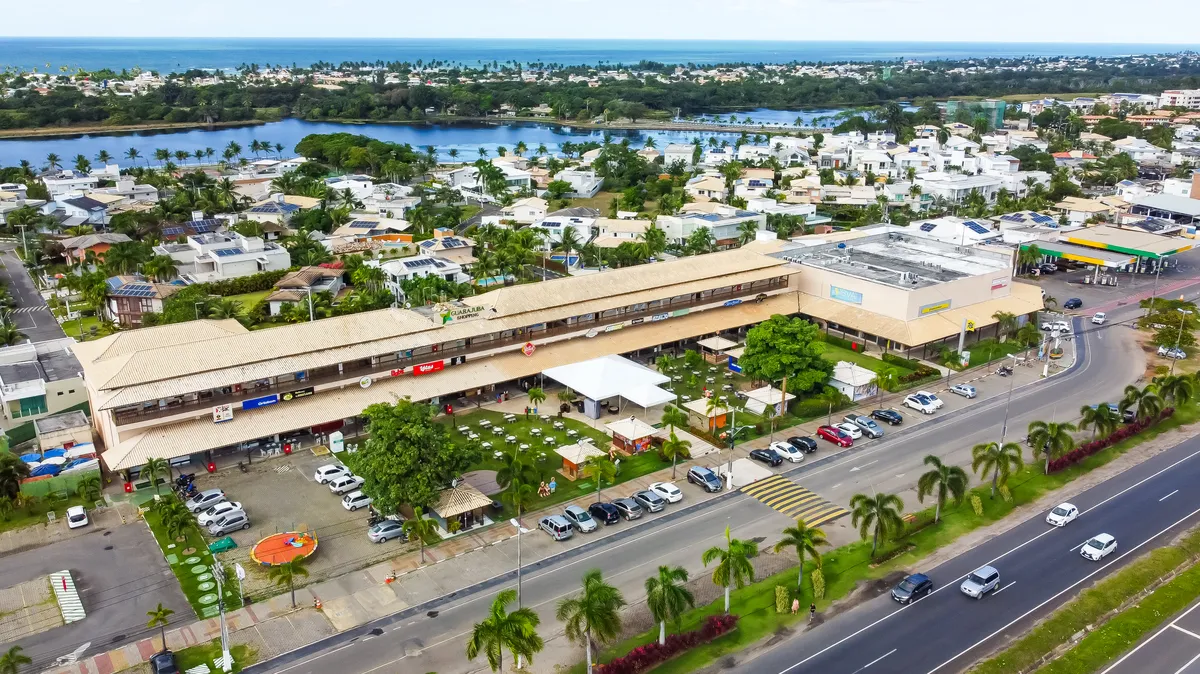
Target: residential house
(129, 192)
(1140, 150)
(754, 182)
(722, 220)
(719, 155)
(956, 187)
(68, 182)
(584, 182)
(612, 232)
(93, 212)
(38, 380)
(577, 218)
(418, 266)
(525, 211)
(279, 208)
(360, 186)
(587, 158)
(389, 200)
(447, 245)
(12, 197)
(373, 228)
(298, 285)
(1079, 210)
(76, 249)
(709, 187)
(129, 297)
(680, 152)
(217, 256)
(1073, 158)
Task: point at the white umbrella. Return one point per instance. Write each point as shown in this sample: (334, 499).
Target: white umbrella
(33, 465)
(88, 465)
(80, 451)
(54, 461)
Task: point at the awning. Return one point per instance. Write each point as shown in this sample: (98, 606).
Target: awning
(700, 407)
(1084, 254)
(717, 344)
(648, 396)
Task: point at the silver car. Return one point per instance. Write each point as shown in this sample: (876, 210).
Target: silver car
(229, 522)
(205, 499)
(385, 531)
(580, 519)
(650, 501)
(981, 581)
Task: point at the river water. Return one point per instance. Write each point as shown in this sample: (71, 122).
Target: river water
(466, 138)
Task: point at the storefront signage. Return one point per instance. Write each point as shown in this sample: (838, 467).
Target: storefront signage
(453, 314)
(934, 308)
(843, 295)
(732, 303)
(659, 317)
(397, 372)
(298, 393)
(614, 327)
(637, 321)
(365, 382)
(426, 368)
(255, 403)
(222, 413)
(528, 349)
(999, 283)
(679, 312)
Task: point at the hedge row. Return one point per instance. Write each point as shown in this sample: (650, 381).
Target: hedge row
(653, 654)
(1123, 433)
(245, 284)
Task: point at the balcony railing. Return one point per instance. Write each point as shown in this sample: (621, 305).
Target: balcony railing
(357, 369)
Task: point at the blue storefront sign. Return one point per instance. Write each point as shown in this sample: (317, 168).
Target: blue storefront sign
(851, 296)
(255, 403)
(732, 303)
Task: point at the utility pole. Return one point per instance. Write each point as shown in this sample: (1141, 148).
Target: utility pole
(226, 657)
(24, 241)
(310, 305)
(1012, 378)
(1183, 314)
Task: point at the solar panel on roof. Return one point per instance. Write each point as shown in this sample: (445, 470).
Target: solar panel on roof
(1042, 219)
(226, 252)
(1012, 218)
(415, 264)
(204, 226)
(928, 227)
(172, 231)
(976, 227)
(362, 224)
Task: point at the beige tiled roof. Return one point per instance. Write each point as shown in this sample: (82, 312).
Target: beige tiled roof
(458, 500)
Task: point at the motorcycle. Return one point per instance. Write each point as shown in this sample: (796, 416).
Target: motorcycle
(1004, 370)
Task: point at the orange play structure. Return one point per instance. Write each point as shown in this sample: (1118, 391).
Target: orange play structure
(282, 548)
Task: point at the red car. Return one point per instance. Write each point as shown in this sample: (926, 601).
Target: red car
(835, 436)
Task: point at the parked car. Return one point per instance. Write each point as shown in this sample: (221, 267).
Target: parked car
(1047, 268)
(163, 662)
(1062, 515)
(557, 526)
(704, 477)
(204, 499)
(865, 424)
(355, 500)
(1062, 327)
(835, 435)
(1172, 352)
(803, 443)
(1048, 325)
(980, 582)
(787, 451)
(912, 588)
(76, 517)
(919, 403)
(628, 508)
(649, 501)
(605, 512)
(889, 417)
(1098, 318)
(215, 511)
(580, 519)
(329, 472)
(1073, 303)
(386, 531)
(1099, 547)
(345, 484)
(767, 456)
(668, 491)
(229, 522)
(937, 402)
(964, 390)
(849, 429)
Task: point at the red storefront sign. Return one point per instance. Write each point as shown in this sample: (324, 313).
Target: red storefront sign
(397, 372)
(426, 368)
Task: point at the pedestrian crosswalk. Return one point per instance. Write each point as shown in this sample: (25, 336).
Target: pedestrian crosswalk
(795, 501)
(26, 310)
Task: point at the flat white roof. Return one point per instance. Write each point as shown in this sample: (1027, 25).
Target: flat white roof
(611, 376)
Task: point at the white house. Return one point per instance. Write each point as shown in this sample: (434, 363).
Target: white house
(1139, 149)
(584, 183)
(68, 182)
(219, 256)
(707, 187)
(297, 286)
(525, 211)
(955, 187)
(855, 382)
(94, 212)
(612, 232)
(360, 186)
(579, 219)
(722, 220)
(418, 266)
(681, 152)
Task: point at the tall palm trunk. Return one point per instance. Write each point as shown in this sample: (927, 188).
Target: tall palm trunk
(727, 599)
(937, 511)
(995, 479)
(662, 633)
(674, 462)
(518, 575)
(800, 580)
(587, 647)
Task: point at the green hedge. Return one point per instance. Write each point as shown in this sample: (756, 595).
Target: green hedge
(906, 363)
(245, 284)
(838, 341)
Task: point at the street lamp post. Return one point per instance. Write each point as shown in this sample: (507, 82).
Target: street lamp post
(1157, 271)
(1183, 314)
(1011, 380)
(310, 304)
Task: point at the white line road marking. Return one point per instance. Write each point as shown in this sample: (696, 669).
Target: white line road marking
(1168, 496)
(1187, 632)
(1189, 664)
(858, 468)
(1005, 587)
(835, 486)
(1078, 546)
(878, 659)
(1001, 556)
(1063, 591)
(1156, 635)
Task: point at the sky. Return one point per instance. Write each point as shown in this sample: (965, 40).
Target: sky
(889, 20)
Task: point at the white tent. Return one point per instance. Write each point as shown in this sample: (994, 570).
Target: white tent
(758, 399)
(612, 376)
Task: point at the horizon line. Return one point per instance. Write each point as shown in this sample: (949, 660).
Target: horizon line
(596, 39)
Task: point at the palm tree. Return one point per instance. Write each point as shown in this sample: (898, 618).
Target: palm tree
(285, 574)
(161, 268)
(667, 597)
(568, 243)
(1178, 389)
(1006, 322)
(804, 540)
(747, 232)
(10, 334)
(12, 471)
(601, 468)
(733, 563)
(13, 659)
(1000, 460)
(1052, 439)
(593, 615)
(160, 617)
(536, 396)
(876, 516)
(103, 157)
(132, 154)
(565, 397)
(88, 488)
(945, 481)
(515, 467)
(1145, 402)
(501, 630)
(53, 162)
(225, 308)
(1101, 418)
(420, 528)
(154, 469)
(673, 448)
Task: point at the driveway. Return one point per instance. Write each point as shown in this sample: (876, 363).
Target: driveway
(31, 314)
(120, 574)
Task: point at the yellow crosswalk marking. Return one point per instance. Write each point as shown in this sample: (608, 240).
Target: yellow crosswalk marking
(791, 499)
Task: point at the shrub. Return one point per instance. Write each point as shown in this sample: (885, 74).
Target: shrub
(818, 584)
(652, 654)
(838, 341)
(1123, 433)
(977, 505)
(245, 284)
(906, 363)
(781, 599)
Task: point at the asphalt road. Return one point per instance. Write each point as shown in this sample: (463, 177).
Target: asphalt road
(1174, 648)
(30, 314)
(430, 637)
(1040, 568)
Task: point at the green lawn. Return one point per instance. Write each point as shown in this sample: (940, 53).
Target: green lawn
(35, 512)
(193, 588)
(989, 350)
(834, 353)
(248, 300)
(206, 654)
(849, 565)
(72, 328)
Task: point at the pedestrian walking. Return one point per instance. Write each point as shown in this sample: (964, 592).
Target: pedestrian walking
(795, 606)
(812, 612)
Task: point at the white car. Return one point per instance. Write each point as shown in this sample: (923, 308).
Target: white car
(920, 404)
(937, 402)
(668, 491)
(1062, 515)
(329, 472)
(1099, 547)
(216, 511)
(1098, 318)
(76, 517)
(1063, 327)
(355, 500)
(1047, 325)
(345, 484)
(849, 429)
(787, 451)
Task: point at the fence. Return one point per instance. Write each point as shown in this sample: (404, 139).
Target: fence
(68, 483)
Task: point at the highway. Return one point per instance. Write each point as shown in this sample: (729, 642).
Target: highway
(1040, 568)
(431, 637)
(1173, 648)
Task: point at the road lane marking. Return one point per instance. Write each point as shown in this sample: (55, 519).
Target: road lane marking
(1001, 556)
(1063, 591)
(1078, 546)
(1168, 496)
(878, 659)
(858, 468)
(1005, 587)
(1189, 664)
(1187, 632)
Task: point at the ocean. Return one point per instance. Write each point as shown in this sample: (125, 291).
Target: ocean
(180, 54)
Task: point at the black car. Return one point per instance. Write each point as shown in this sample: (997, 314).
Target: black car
(1047, 268)
(912, 588)
(767, 456)
(628, 508)
(605, 512)
(803, 443)
(163, 662)
(890, 417)
(1073, 303)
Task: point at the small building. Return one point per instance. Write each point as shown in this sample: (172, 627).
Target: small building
(38, 380)
(63, 430)
(463, 504)
(855, 382)
(76, 248)
(525, 211)
(714, 419)
(217, 256)
(129, 297)
(758, 400)
(716, 349)
(575, 456)
(298, 285)
(419, 266)
(631, 435)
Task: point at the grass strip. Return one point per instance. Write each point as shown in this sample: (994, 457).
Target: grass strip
(1117, 635)
(207, 654)
(845, 567)
(190, 582)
